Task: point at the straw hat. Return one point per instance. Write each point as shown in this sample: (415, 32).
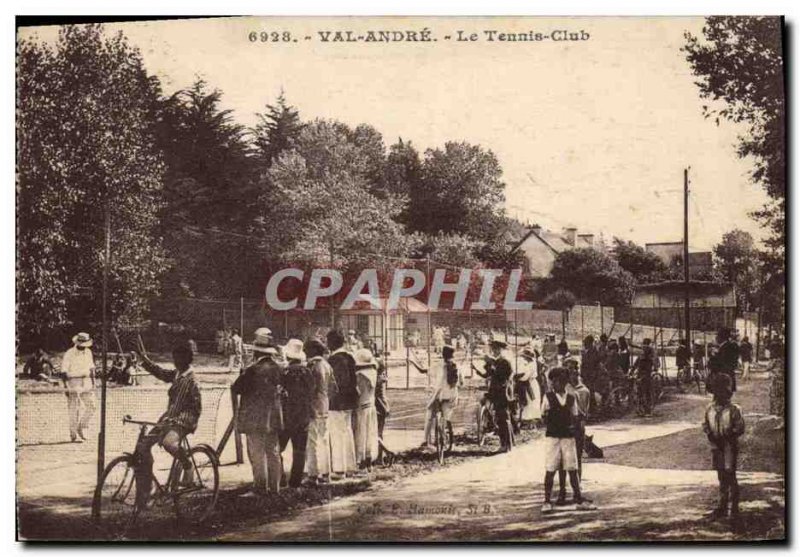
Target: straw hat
(263, 341)
(364, 358)
(82, 339)
(528, 352)
(293, 350)
(498, 344)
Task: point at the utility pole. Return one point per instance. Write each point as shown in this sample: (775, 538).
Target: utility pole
(101, 436)
(686, 311)
(330, 301)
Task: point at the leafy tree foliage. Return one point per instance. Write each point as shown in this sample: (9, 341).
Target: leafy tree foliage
(645, 267)
(739, 63)
(736, 262)
(275, 131)
(210, 190)
(461, 191)
(592, 276)
(321, 190)
(564, 301)
(85, 142)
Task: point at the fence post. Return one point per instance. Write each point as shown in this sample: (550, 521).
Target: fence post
(408, 367)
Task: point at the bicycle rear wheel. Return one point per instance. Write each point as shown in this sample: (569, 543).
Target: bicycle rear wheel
(114, 501)
(195, 503)
(620, 401)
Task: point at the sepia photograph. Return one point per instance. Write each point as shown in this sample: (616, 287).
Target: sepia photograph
(401, 279)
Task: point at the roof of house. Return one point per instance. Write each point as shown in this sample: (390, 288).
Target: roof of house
(551, 239)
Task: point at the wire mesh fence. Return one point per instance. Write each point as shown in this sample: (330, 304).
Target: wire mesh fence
(42, 416)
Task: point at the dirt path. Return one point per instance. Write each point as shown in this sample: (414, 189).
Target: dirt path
(469, 502)
(654, 485)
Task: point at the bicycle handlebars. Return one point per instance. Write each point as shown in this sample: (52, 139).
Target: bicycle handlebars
(128, 420)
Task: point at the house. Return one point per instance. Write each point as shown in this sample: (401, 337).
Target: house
(541, 247)
(700, 262)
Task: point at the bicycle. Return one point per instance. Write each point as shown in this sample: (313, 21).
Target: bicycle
(114, 501)
(687, 375)
(443, 431)
(485, 417)
(657, 382)
(623, 397)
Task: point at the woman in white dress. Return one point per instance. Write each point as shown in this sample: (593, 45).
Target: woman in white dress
(527, 386)
(366, 430)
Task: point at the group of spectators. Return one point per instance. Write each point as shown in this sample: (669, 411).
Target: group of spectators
(327, 400)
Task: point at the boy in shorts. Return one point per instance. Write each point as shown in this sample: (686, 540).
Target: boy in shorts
(723, 424)
(560, 413)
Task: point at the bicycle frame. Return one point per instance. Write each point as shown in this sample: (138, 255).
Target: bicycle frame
(168, 488)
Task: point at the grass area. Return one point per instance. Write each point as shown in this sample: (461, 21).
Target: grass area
(762, 447)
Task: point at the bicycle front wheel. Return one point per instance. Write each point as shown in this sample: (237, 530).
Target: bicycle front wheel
(195, 499)
(449, 437)
(440, 441)
(114, 499)
(484, 424)
(657, 386)
(620, 401)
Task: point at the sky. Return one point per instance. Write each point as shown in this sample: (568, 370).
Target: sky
(593, 134)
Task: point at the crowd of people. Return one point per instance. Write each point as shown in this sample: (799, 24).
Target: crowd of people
(328, 398)
(329, 401)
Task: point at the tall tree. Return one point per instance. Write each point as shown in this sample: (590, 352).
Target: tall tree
(739, 63)
(461, 191)
(210, 193)
(736, 261)
(564, 301)
(643, 265)
(86, 143)
(275, 131)
(592, 277)
(322, 194)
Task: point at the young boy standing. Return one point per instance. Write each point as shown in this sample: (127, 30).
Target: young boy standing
(560, 412)
(724, 424)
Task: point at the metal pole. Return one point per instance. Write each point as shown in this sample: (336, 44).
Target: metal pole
(428, 304)
(516, 343)
(408, 368)
(686, 310)
(101, 437)
(602, 325)
(330, 301)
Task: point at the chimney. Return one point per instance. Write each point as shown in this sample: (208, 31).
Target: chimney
(588, 239)
(536, 229)
(570, 235)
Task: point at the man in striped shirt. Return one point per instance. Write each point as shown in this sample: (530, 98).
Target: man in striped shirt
(180, 419)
